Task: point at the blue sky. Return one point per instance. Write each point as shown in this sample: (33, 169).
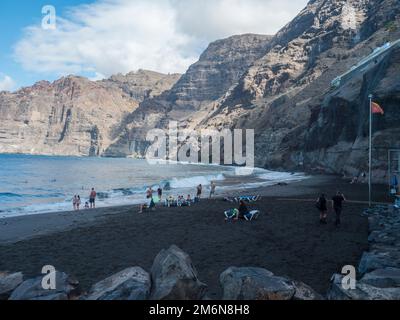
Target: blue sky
(15, 15)
(98, 38)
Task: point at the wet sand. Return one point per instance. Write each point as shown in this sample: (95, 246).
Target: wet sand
(287, 239)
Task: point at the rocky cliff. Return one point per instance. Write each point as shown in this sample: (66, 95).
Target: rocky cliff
(301, 122)
(218, 70)
(73, 115)
(281, 86)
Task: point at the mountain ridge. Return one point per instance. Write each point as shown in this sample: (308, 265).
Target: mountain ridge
(279, 85)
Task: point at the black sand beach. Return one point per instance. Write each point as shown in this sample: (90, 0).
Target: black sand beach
(287, 239)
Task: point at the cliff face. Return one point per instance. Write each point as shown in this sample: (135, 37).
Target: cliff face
(281, 86)
(325, 129)
(218, 69)
(142, 84)
(73, 116)
(286, 96)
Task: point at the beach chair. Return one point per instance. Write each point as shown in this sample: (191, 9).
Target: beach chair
(248, 199)
(231, 214)
(252, 215)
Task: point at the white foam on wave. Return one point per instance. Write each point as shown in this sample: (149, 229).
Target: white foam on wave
(192, 182)
(280, 176)
(119, 197)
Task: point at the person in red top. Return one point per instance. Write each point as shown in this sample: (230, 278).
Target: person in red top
(92, 199)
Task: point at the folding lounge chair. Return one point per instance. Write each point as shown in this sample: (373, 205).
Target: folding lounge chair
(252, 215)
(231, 214)
(248, 199)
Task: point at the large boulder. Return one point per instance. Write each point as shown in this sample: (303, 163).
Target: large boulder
(66, 288)
(8, 282)
(255, 284)
(382, 237)
(383, 278)
(363, 291)
(174, 277)
(129, 284)
(378, 259)
(305, 292)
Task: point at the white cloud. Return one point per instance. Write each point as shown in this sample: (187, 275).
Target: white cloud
(112, 36)
(6, 83)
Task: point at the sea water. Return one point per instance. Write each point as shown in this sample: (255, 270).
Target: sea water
(38, 184)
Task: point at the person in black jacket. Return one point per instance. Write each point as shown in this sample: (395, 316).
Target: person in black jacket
(322, 208)
(337, 206)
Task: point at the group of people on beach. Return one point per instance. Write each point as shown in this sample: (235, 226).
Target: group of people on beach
(91, 204)
(213, 188)
(180, 201)
(337, 205)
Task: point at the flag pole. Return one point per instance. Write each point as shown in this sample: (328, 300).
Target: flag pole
(370, 152)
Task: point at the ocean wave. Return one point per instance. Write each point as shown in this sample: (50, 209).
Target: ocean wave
(10, 195)
(195, 181)
(280, 176)
(167, 185)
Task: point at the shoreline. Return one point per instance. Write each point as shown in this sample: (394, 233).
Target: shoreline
(53, 196)
(287, 238)
(22, 227)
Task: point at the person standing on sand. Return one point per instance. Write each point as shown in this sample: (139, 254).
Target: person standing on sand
(322, 208)
(199, 191)
(74, 200)
(78, 202)
(212, 189)
(159, 192)
(149, 193)
(92, 199)
(337, 205)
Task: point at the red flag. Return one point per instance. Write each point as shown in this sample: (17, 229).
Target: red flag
(376, 108)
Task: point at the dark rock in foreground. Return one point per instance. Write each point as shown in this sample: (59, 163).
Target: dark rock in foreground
(129, 284)
(363, 291)
(383, 278)
(261, 284)
(8, 282)
(66, 288)
(379, 267)
(174, 277)
(305, 292)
